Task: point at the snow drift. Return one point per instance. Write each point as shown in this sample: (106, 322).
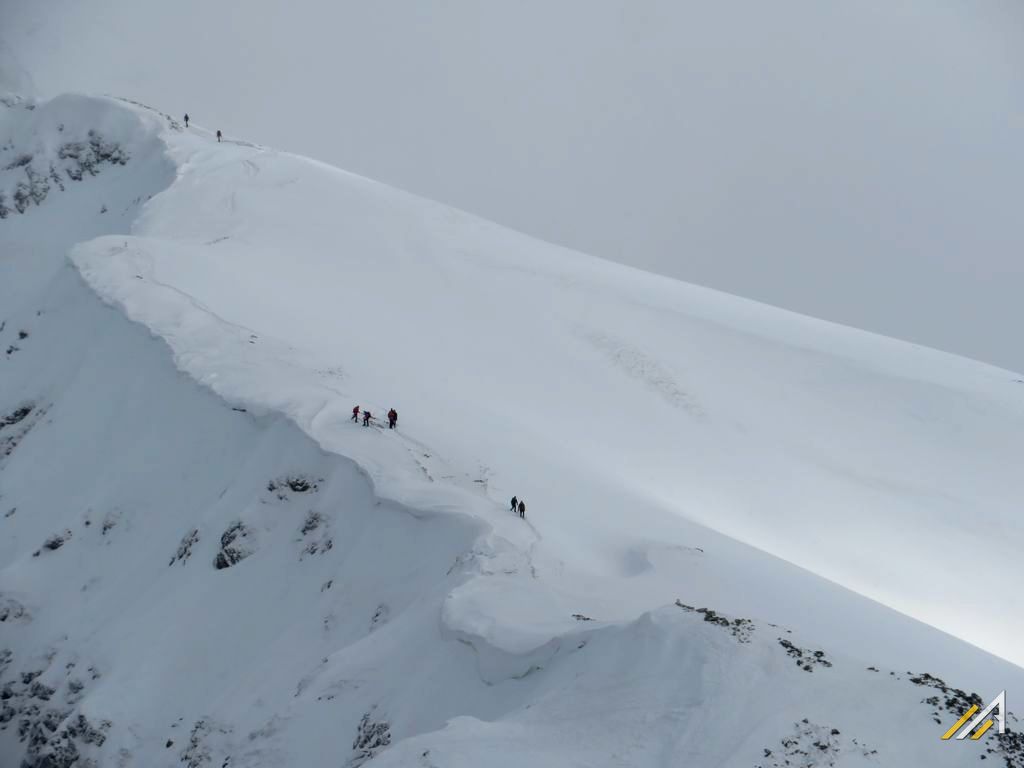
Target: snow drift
(744, 526)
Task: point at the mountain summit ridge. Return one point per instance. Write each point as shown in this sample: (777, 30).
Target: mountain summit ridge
(677, 449)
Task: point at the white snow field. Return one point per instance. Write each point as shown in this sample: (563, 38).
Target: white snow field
(204, 562)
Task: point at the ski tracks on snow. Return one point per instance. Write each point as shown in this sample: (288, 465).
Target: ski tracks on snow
(649, 371)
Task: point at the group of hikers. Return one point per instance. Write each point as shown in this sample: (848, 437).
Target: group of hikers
(368, 417)
(219, 134)
(518, 505)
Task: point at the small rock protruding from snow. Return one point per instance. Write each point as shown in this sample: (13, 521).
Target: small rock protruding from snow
(371, 737)
(804, 658)
(185, 547)
(235, 546)
(739, 628)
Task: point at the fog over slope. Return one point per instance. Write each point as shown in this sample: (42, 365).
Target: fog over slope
(752, 538)
(858, 161)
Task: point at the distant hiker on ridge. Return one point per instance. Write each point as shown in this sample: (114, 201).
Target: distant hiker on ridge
(366, 418)
(186, 119)
(522, 509)
(515, 504)
(355, 414)
(392, 418)
(218, 135)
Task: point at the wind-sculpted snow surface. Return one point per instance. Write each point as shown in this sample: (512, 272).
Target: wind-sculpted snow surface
(221, 569)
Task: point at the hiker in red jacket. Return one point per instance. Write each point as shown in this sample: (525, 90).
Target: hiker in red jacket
(392, 418)
(355, 414)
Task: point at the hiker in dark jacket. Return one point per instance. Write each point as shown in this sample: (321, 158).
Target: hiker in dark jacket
(366, 418)
(218, 135)
(522, 510)
(392, 418)
(515, 504)
(186, 119)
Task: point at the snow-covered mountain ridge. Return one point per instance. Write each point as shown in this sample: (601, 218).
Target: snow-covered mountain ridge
(251, 579)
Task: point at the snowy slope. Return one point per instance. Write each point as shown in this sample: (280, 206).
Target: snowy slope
(826, 489)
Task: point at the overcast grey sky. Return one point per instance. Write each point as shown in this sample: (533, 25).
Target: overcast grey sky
(860, 161)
